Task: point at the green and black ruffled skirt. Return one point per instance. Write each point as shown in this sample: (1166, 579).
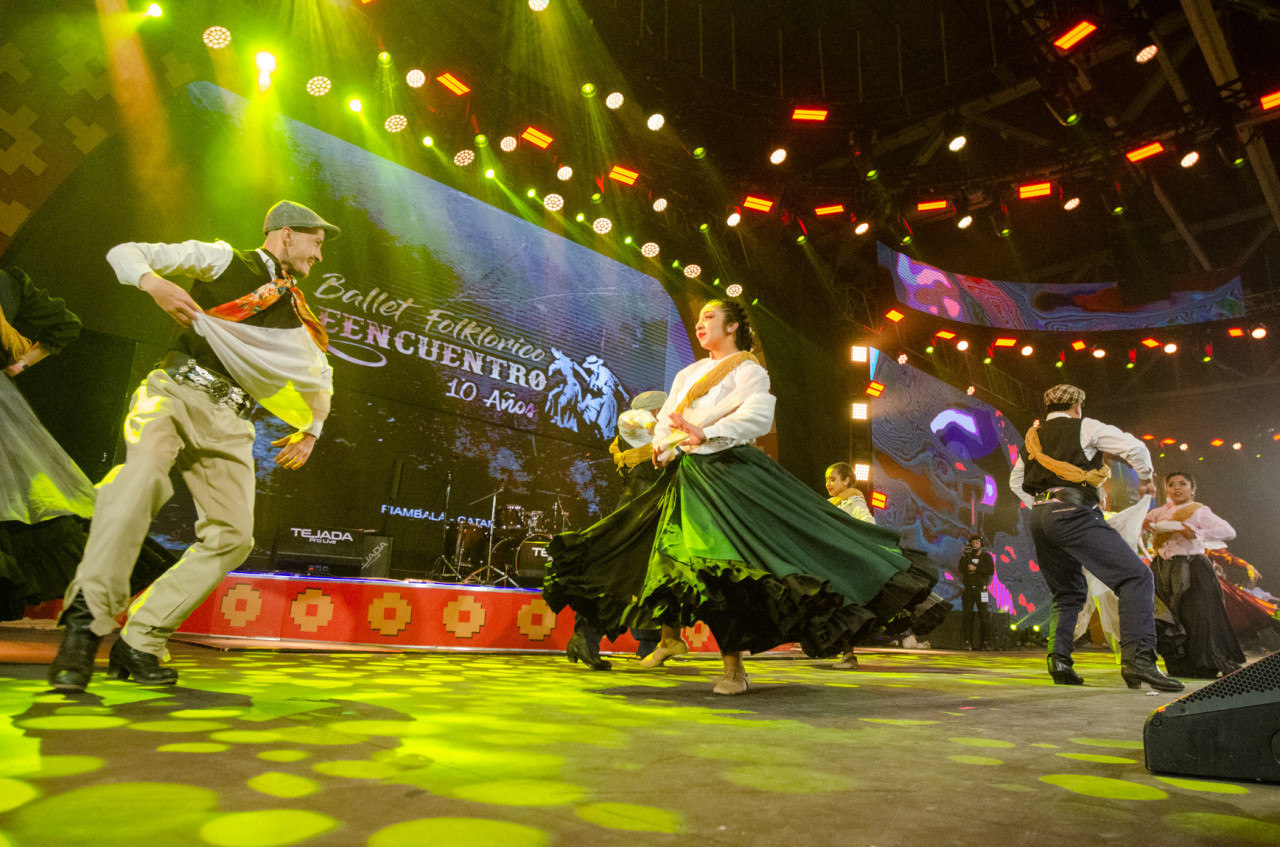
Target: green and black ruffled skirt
(734, 540)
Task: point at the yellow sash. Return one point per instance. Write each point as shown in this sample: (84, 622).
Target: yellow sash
(1065, 470)
(711, 379)
(14, 343)
(630, 458)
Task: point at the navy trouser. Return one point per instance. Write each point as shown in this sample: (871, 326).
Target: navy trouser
(1068, 538)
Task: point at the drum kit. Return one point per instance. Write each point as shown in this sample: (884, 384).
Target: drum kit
(511, 549)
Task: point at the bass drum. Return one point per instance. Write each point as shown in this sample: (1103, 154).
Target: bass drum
(524, 561)
(466, 543)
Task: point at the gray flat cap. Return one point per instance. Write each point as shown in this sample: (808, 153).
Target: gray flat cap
(297, 216)
(1064, 394)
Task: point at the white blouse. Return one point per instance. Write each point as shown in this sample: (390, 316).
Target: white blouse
(1210, 530)
(736, 411)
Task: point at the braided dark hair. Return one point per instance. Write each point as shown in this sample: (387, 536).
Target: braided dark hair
(735, 312)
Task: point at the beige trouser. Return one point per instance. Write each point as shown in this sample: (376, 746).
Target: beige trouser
(168, 423)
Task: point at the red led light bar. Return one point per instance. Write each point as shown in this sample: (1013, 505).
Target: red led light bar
(1236, 332)
(879, 500)
(758, 203)
(626, 176)
(1168, 441)
(1270, 101)
(1075, 35)
(1150, 342)
(829, 210)
(1006, 342)
(1145, 151)
(1148, 437)
(809, 115)
(894, 315)
(537, 136)
(945, 334)
(452, 83)
(1217, 442)
(1078, 345)
(1034, 189)
(875, 389)
(931, 205)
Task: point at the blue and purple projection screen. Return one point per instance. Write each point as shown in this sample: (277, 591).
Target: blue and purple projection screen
(943, 459)
(1026, 306)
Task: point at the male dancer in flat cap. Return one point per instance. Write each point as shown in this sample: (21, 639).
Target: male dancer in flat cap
(1058, 473)
(246, 334)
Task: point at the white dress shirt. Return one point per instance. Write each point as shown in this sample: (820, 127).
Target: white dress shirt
(1210, 530)
(1094, 436)
(196, 259)
(738, 410)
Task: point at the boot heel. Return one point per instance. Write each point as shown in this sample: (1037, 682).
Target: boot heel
(117, 672)
(1132, 682)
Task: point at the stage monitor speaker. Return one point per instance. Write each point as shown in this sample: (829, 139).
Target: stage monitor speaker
(1230, 729)
(377, 556)
(308, 548)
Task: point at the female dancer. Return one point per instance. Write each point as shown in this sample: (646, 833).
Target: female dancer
(728, 537)
(1199, 641)
(848, 499)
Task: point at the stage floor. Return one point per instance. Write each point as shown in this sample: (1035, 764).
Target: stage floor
(256, 748)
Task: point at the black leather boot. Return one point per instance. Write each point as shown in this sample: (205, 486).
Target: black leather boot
(1060, 668)
(1138, 665)
(73, 666)
(580, 649)
(125, 662)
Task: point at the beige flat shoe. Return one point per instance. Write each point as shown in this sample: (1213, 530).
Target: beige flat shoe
(665, 650)
(731, 684)
(848, 663)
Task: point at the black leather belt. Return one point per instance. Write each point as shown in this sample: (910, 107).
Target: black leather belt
(221, 390)
(1070, 495)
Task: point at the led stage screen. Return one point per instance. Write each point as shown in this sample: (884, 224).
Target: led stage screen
(943, 460)
(474, 352)
(1062, 307)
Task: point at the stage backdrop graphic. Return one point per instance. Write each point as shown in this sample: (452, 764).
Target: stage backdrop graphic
(943, 458)
(1065, 307)
(476, 354)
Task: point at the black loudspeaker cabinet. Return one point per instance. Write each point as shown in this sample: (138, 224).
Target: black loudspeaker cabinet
(1230, 729)
(332, 552)
(377, 556)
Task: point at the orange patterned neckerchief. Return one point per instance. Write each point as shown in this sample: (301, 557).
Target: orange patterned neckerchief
(266, 295)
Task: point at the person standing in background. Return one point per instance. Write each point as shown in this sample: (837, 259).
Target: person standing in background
(976, 568)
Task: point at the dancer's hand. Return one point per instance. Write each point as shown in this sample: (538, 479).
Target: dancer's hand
(1146, 486)
(696, 436)
(297, 449)
(174, 299)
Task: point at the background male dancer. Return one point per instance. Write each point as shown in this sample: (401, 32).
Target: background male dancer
(1059, 471)
(193, 410)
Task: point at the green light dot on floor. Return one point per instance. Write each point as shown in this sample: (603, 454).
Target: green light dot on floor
(357, 769)
(52, 767)
(206, 714)
(193, 747)
(1118, 743)
(982, 742)
(72, 722)
(399, 729)
(897, 721)
(246, 736)
(278, 784)
(177, 726)
(631, 818)
(283, 755)
(1204, 785)
(1105, 787)
(459, 832)
(975, 760)
(268, 828)
(15, 792)
(1226, 829)
(520, 792)
(788, 779)
(123, 813)
(1095, 757)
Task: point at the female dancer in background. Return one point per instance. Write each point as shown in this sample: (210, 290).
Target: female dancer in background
(727, 536)
(1198, 642)
(848, 499)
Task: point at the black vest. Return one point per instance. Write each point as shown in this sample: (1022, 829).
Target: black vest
(247, 272)
(1059, 439)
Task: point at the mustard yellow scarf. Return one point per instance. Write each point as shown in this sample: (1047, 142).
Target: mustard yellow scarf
(1066, 470)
